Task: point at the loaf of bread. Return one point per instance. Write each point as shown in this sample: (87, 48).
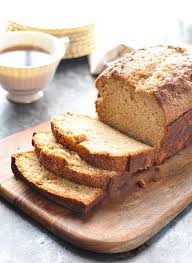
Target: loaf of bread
(101, 145)
(73, 196)
(148, 95)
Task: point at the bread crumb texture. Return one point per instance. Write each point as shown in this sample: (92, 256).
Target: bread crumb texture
(145, 92)
(46, 142)
(28, 165)
(96, 136)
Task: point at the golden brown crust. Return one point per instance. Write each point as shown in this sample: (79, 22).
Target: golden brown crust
(52, 163)
(70, 203)
(177, 136)
(175, 94)
(142, 159)
(164, 71)
(105, 161)
(117, 183)
(59, 165)
(102, 160)
(106, 183)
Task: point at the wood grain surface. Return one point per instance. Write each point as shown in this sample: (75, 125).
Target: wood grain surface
(114, 226)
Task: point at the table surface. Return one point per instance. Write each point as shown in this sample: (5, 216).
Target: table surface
(25, 241)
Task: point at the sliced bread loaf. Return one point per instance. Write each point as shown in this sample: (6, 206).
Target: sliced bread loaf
(148, 95)
(61, 161)
(73, 196)
(101, 145)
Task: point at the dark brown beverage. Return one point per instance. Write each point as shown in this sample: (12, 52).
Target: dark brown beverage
(24, 56)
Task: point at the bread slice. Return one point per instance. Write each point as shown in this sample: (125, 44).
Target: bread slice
(73, 196)
(148, 95)
(101, 145)
(61, 161)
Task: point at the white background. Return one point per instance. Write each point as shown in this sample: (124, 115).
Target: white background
(127, 21)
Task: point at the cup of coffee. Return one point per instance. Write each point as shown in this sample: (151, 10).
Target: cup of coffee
(28, 61)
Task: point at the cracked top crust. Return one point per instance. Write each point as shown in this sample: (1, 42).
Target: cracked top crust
(164, 71)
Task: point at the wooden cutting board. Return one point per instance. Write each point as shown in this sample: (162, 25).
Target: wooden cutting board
(112, 227)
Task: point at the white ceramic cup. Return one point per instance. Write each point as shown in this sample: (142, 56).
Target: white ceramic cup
(25, 84)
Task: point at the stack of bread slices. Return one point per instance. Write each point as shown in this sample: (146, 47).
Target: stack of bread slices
(144, 107)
